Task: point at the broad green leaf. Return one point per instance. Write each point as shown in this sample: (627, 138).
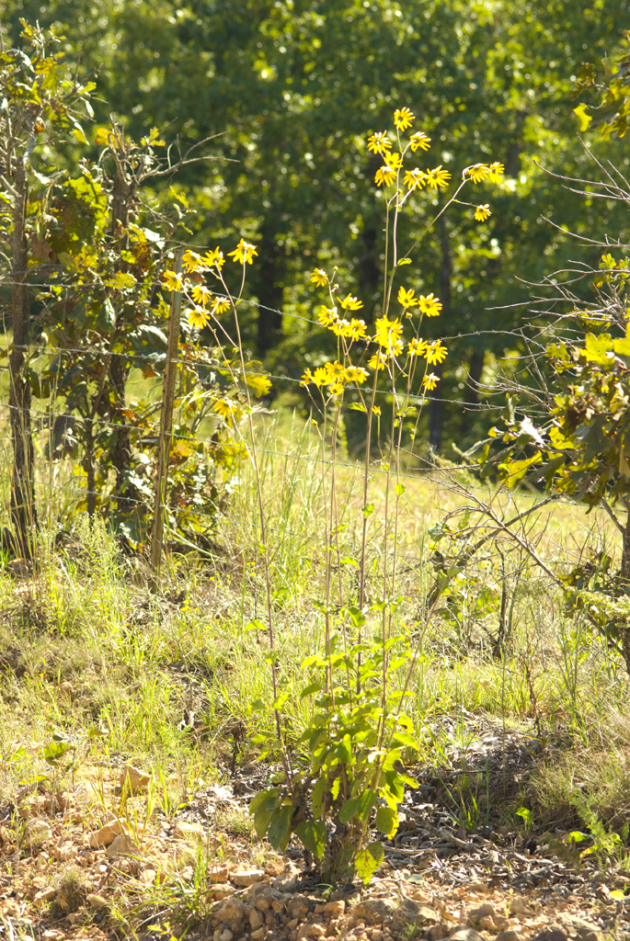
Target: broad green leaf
(317, 796)
(368, 860)
(255, 625)
(279, 826)
(349, 809)
(313, 836)
(308, 690)
(344, 749)
(584, 118)
(386, 821)
(409, 741)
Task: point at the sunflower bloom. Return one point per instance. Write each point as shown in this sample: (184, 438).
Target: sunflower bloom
(351, 303)
(407, 297)
(417, 347)
(327, 315)
(172, 281)
(414, 178)
(379, 143)
(192, 261)
(385, 176)
(214, 259)
(221, 304)
(482, 213)
(352, 329)
(387, 335)
(243, 253)
(197, 317)
(430, 382)
(403, 118)
(429, 305)
(355, 374)
(438, 178)
(435, 353)
(201, 294)
(420, 141)
(496, 172)
(477, 172)
(319, 277)
(376, 362)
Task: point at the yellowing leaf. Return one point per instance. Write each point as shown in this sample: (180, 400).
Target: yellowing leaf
(584, 118)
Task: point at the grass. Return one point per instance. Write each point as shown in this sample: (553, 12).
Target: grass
(176, 682)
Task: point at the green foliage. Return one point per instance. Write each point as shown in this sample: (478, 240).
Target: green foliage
(349, 777)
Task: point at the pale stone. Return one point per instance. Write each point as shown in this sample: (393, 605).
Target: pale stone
(133, 779)
(485, 910)
(45, 895)
(510, 935)
(247, 877)
(486, 923)
(220, 891)
(462, 933)
(519, 906)
(258, 934)
(334, 909)
(256, 919)
(374, 910)
(218, 874)
(97, 901)
(106, 835)
(188, 831)
(230, 911)
(121, 846)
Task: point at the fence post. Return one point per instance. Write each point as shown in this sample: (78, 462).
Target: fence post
(166, 429)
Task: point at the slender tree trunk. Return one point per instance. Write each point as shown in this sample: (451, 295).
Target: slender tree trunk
(89, 469)
(625, 582)
(270, 287)
(436, 403)
(475, 369)
(23, 484)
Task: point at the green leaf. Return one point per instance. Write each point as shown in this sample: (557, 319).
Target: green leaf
(317, 796)
(368, 509)
(409, 741)
(279, 826)
(313, 836)
(584, 118)
(344, 749)
(349, 809)
(368, 860)
(55, 750)
(400, 489)
(386, 821)
(255, 625)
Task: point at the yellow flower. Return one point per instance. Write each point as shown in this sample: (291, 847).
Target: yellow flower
(403, 118)
(192, 261)
(350, 329)
(355, 374)
(243, 253)
(420, 141)
(387, 335)
(214, 258)
(197, 317)
(307, 378)
(319, 277)
(429, 305)
(496, 172)
(172, 281)
(201, 294)
(414, 178)
(221, 304)
(482, 213)
(435, 353)
(430, 382)
(407, 297)
(327, 316)
(477, 172)
(379, 143)
(376, 409)
(438, 178)
(417, 347)
(351, 303)
(394, 160)
(376, 362)
(384, 176)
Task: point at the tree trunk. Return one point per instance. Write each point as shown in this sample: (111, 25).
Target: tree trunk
(436, 403)
(23, 484)
(270, 287)
(475, 369)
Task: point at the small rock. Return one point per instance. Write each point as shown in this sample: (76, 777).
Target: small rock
(311, 931)
(411, 913)
(334, 909)
(486, 923)
(97, 902)
(106, 835)
(374, 910)
(519, 906)
(226, 935)
(221, 890)
(258, 934)
(256, 919)
(552, 933)
(133, 780)
(437, 932)
(122, 845)
(485, 910)
(37, 831)
(509, 935)
(189, 832)
(230, 911)
(45, 895)
(288, 883)
(462, 933)
(247, 877)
